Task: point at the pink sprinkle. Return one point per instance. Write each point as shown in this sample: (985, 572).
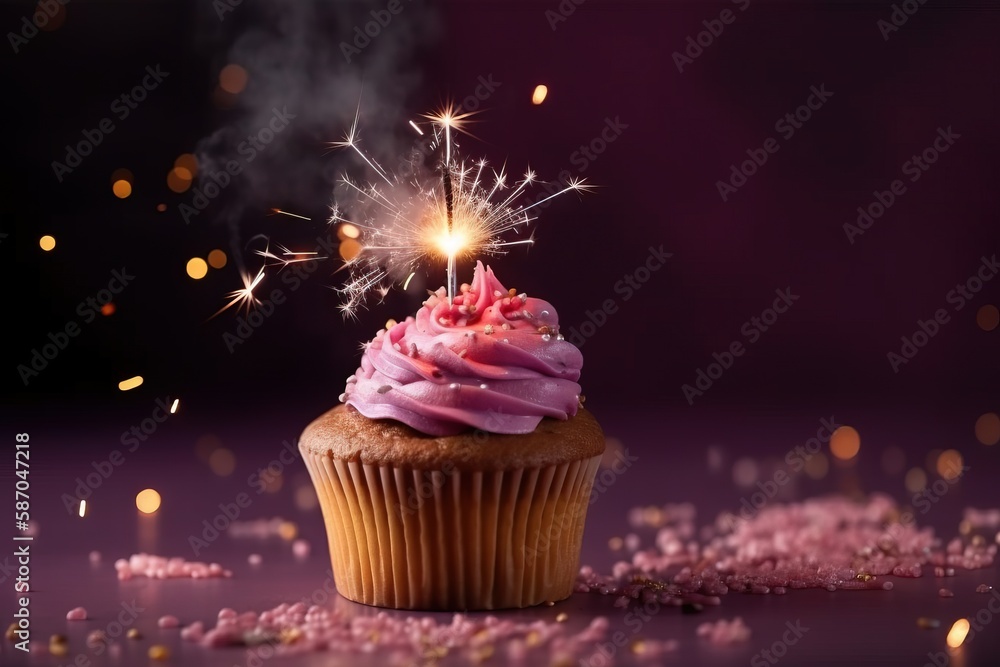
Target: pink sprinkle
(168, 622)
(254, 559)
(77, 614)
(193, 632)
(158, 567)
(983, 588)
(945, 593)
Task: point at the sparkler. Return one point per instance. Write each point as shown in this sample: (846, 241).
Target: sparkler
(469, 210)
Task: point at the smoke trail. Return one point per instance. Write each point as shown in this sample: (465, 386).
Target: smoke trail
(309, 59)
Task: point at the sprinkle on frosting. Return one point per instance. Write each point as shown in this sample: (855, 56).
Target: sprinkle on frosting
(415, 371)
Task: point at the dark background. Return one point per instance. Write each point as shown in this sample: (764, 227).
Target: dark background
(657, 186)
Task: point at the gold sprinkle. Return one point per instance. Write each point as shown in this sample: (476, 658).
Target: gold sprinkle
(58, 650)
(638, 647)
(864, 576)
(390, 323)
(133, 633)
(159, 652)
(562, 617)
(533, 639)
(958, 633)
(57, 639)
(289, 635)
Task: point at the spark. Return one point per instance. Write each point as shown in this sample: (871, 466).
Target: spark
(83, 507)
(415, 127)
(278, 211)
(244, 298)
(460, 209)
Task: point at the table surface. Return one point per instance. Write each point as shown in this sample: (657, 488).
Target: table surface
(870, 627)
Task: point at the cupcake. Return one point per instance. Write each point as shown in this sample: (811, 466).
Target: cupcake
(458, 471)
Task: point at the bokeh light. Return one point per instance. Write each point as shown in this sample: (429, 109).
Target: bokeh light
(222, 462)
(47, 243)
(845, 443)
(988, 317)
(288, 530)
(349, 249)
(541, 92)
(197, 268)
(233, 79)
(988, 428)
(108, 309)
(122, 189)
(348, 231)
(188, 162)
(916, 480)
(949, 464)
(179, 180)
(130, 383)
(161, 207)
(959, 631)
(148, 501)
(745, 472)
(52, 15)
(305, 497)
(217, 259)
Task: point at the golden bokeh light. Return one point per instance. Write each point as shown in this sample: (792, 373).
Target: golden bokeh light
(541, 91)
(959, 631)
(949, 464)
(217, 259)
(988, 428)
(288, 530)
(916, 480)
(122, 189)
(845, 443)
(349, 249)
(130, 383)
(988, 317)
(233, 79)
(148, 501)
(348, 231)
(161, 207)
(53, 16)
(187, 161)
(305, 497)
(197, 268)
(179, 180)
(47, 243)
(108, 309)
(273, 483)
(222, 462)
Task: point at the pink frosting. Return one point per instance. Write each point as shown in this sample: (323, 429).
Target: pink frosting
(492, 360)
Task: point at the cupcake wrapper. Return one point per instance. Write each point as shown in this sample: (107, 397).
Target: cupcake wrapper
(421, 539)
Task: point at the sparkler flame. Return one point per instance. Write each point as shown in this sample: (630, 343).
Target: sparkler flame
(467, 211)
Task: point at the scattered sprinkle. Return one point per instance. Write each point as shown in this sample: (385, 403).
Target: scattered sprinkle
(167, 622)
(76, 614)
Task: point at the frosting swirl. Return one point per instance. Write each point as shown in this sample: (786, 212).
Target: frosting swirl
(493, 360)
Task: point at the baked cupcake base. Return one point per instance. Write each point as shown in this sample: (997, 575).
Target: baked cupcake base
(473, 521)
